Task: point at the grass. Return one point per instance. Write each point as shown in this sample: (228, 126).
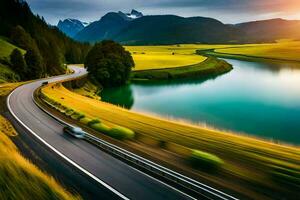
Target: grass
(246, 159)
(6, 73)
(158, 57)
(210, 67)
(6, 48)
(19, 178)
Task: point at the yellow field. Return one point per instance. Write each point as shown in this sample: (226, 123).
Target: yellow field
(19, 178)
(286, 50)
(246, 159)
(157, 57)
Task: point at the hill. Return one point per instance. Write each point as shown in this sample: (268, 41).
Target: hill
(269, 30)
(31, 32)
(6, 73)
(172, 29)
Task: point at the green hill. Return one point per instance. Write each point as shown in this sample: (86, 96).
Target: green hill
(6, 73)
(31, 32)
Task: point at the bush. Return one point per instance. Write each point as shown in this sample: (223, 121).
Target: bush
(100, 127)
(69, 112)
(93, 121)
(121, 133)
(77, 116)
(85, 120)
(206, 161)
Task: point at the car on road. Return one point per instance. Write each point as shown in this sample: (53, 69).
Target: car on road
(74, 131)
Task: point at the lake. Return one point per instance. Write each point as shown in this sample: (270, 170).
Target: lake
(256, 98)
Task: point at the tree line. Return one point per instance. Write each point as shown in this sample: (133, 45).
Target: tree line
(47, 49)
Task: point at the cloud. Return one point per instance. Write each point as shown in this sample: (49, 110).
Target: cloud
(230, 11)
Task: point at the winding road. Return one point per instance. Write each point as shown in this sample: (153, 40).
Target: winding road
(114, 178)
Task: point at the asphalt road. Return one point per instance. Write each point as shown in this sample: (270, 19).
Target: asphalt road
(114, 178)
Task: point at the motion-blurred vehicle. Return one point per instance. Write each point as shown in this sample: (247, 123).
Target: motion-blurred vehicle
(74, 131)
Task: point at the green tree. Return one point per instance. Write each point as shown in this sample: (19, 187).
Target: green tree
(21, 38)
(109, 63)
(35, 64)
(18, 63)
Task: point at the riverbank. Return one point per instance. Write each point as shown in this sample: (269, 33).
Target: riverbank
(210, 67)
(282, 51)
(250, 165)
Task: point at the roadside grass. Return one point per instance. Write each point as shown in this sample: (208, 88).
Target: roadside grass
(19, 178)
(246, 160)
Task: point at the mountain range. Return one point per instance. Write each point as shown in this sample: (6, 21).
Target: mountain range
(136, 29)
(71, 26)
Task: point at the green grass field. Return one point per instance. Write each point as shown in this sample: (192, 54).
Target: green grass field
(6, 74)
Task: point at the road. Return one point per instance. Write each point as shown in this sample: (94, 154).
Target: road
(112, 176)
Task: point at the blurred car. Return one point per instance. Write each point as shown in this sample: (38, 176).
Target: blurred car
(74, 131)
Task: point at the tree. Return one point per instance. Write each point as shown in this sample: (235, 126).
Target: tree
(109, 63)
(21, 38)
(18, 63)
(34, 62)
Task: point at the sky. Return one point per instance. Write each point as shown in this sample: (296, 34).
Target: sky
(227, 11)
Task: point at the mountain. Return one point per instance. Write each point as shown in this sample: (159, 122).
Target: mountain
(171, 29)
(71, 26)
(136, 29)
(269, 30)
(109, 25)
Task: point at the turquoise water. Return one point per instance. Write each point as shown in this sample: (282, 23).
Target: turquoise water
(254, 98)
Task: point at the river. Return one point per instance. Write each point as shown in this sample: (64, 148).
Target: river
(255, 98)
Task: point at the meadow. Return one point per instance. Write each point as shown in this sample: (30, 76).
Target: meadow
(19, 178)
(158, 57)
(256, 163)
(282, 50)
(6, 73)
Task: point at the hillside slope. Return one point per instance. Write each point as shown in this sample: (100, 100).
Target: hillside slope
(172, 29)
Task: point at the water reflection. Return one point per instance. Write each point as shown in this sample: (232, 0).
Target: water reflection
(255, 98)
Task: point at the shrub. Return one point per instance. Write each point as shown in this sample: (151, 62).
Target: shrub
(93, 121)
(85, 120)
(121, 133)
(77, 116)
(100, 127)
(69, 112)
(206, 161)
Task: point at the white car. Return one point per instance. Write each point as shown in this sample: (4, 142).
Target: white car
(74, 131)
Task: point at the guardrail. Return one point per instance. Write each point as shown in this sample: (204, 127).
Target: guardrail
(196, 188)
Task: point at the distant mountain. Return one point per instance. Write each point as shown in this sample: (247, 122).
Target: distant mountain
(71, 26)
(269, 30)
(136, 29)
(108, 26)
